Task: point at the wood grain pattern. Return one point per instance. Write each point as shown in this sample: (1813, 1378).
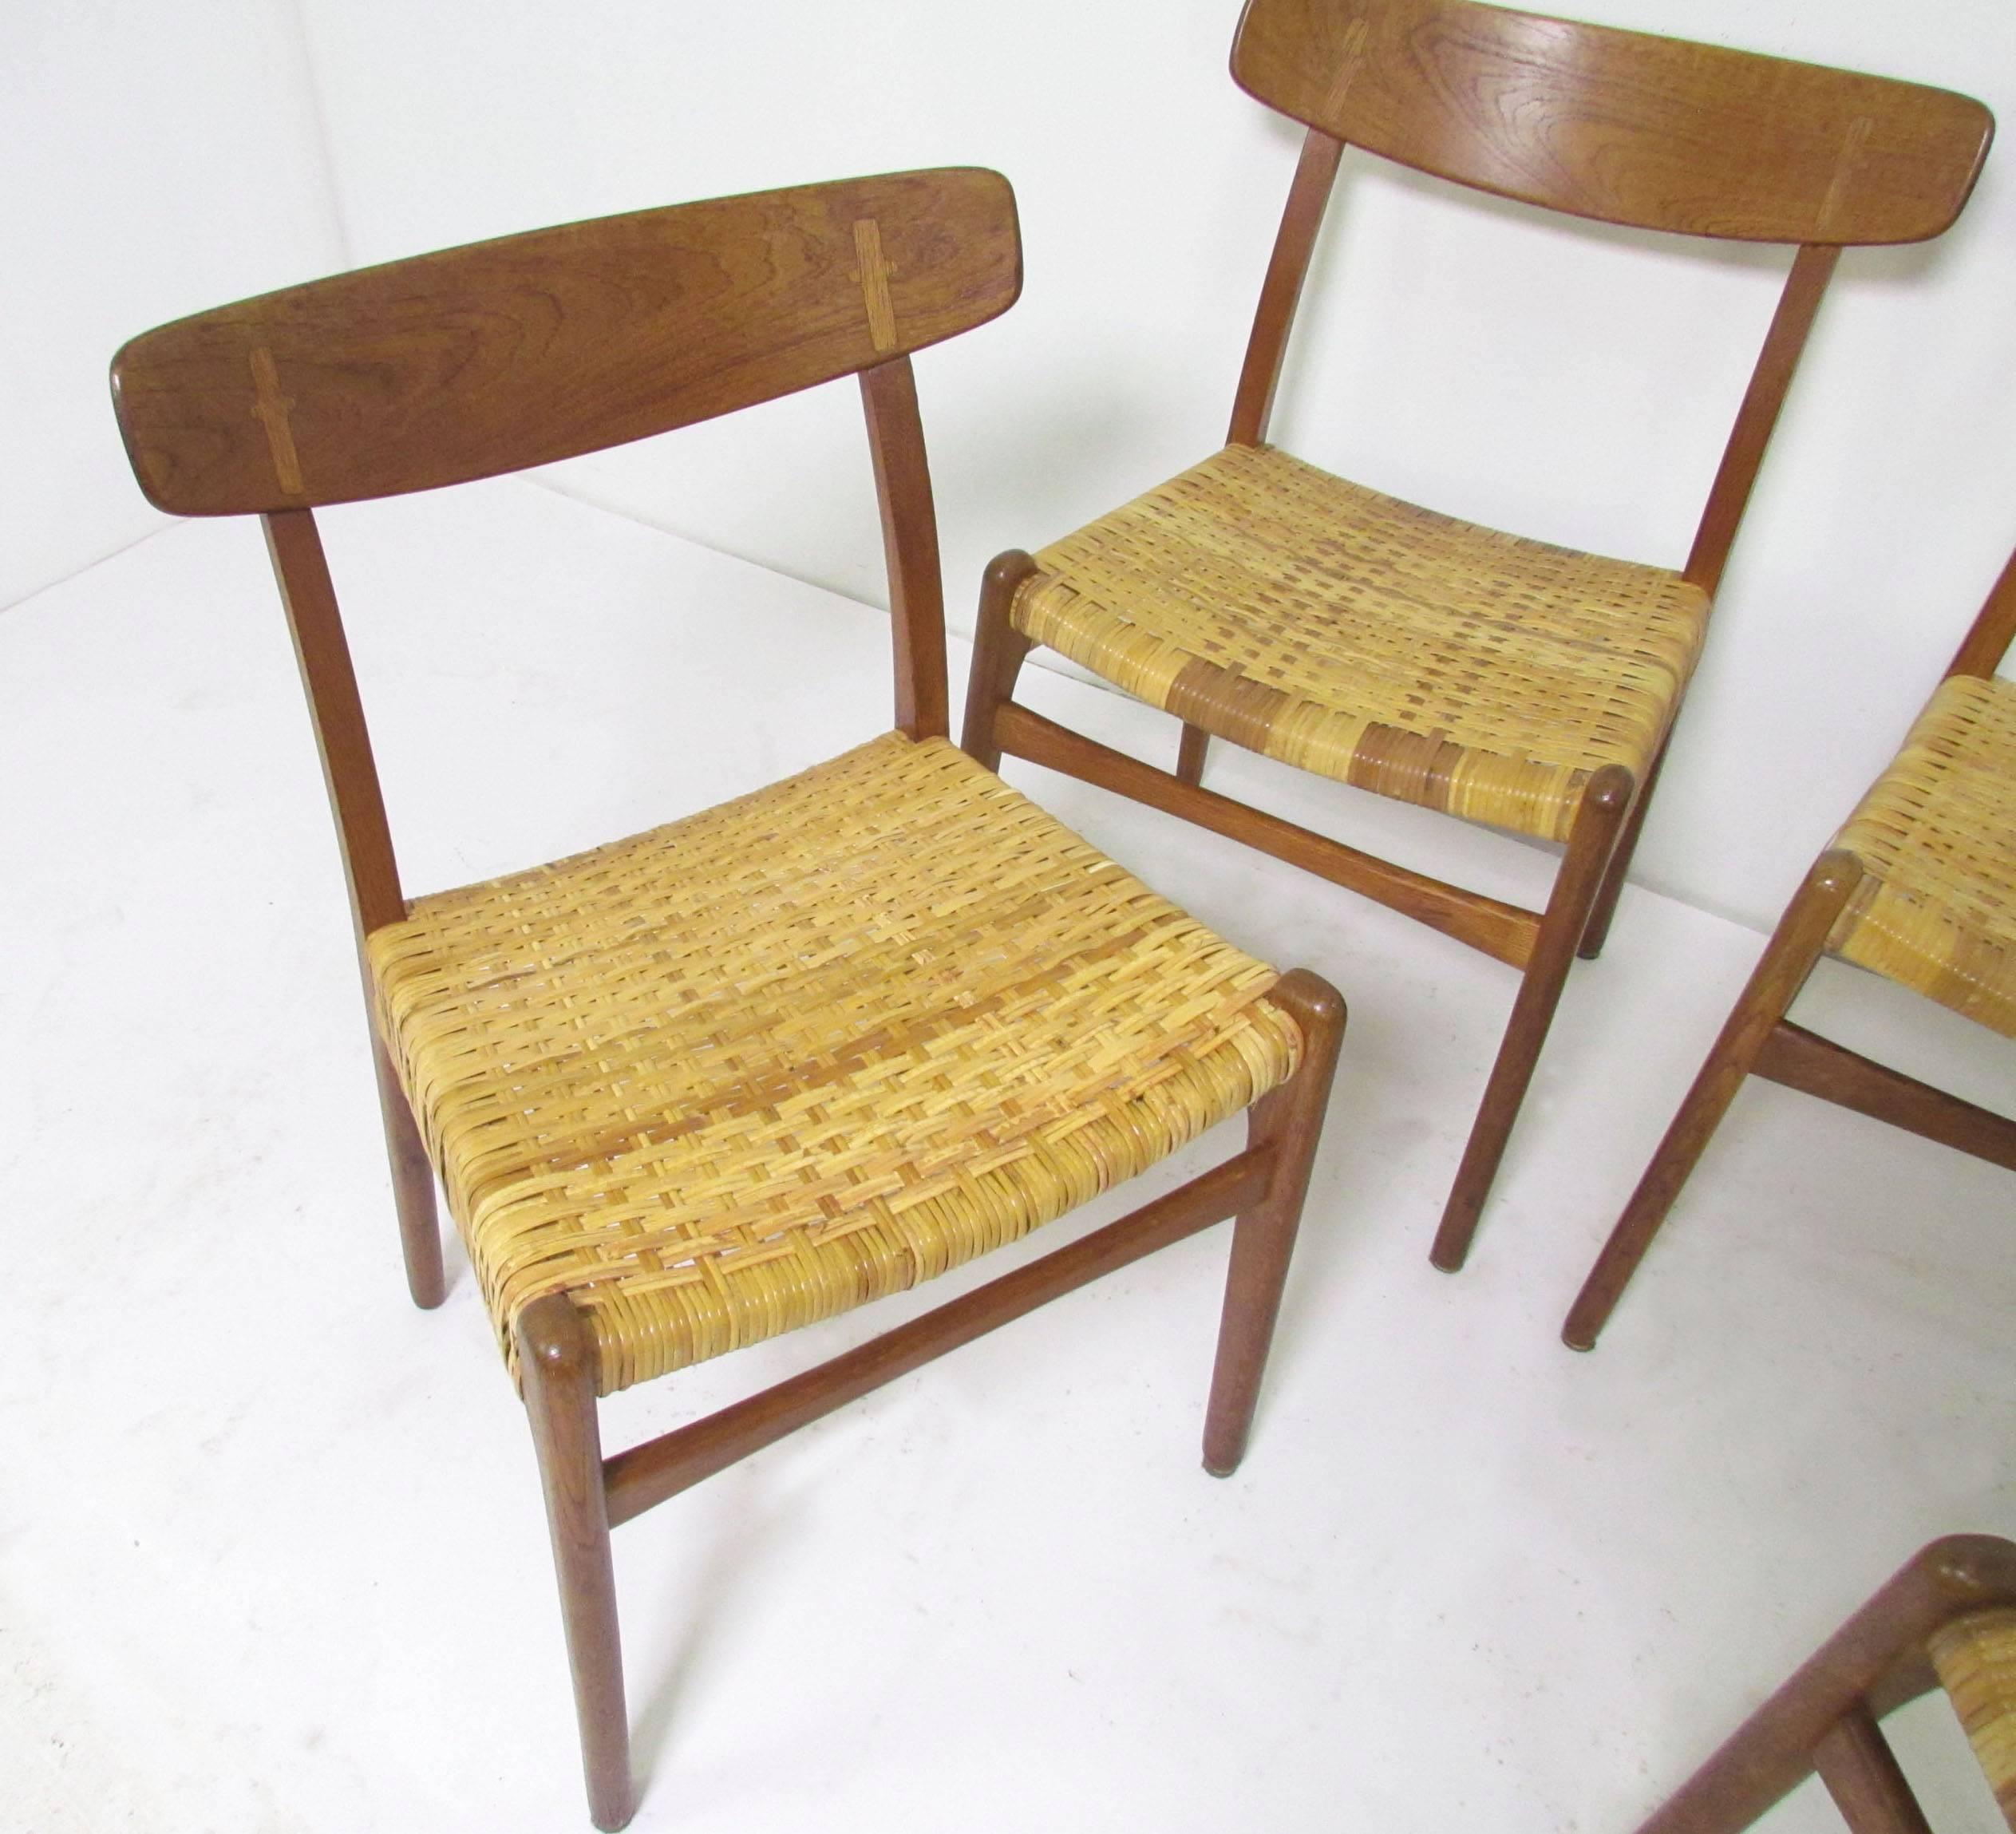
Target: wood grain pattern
(520, 352)
(1621, 126)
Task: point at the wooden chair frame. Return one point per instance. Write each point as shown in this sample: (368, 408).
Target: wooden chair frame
(1825, 1718)
(1792, 162)
(337, 391)
(1759, 1040)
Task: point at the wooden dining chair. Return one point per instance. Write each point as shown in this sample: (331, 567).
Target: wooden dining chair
(1263, 601)
(742, 1072)
(1919, 887)
(1946, 1619)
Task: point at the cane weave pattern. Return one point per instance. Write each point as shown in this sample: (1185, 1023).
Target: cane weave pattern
(1368, 640)
(804, 1049)
(1937, 839)
(1976, 1660)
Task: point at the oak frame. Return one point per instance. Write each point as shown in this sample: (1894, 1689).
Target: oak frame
(1757, 1039)
(188, 397)
(1864, 159)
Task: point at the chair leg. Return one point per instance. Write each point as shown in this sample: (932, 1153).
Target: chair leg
(998, 649)
(1190, 755)
(1596, 931)
(556, 1361)
(1606, 802)
(1825, 1717)
(1801, 934)
(1289, 1119)
(413, 1188)
(1861, 1773)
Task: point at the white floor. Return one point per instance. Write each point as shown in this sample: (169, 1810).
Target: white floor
(272, 1556)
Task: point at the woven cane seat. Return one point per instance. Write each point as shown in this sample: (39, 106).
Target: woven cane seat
(1976, 1660)
(804, 1049)
(1369, 641)
(1937, 839)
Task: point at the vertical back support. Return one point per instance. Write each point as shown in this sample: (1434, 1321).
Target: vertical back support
(902, 487)
(1281, 292)
(1812, 268)
(349, 770)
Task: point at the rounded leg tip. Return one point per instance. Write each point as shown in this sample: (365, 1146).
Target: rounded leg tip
(612, 1817)
(1583, 1341)
(1214, 1469)
(1446, 1261)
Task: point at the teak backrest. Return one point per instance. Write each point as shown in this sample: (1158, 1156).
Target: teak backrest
(501, 355)
(1623, 127)
(506, 355)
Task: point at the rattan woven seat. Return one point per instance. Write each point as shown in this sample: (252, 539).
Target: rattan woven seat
(1936, 836)
(1265, 602)
(1976, 1660)
(801, 1051)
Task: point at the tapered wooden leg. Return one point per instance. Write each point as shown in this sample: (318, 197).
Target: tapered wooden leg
(1606, 801)
(1190, 755)
(998, 649)
(1860, 1771)
(1290, 1120)
(1801, 934)
(557, 1366)
(413, 1188)
(1597, 930)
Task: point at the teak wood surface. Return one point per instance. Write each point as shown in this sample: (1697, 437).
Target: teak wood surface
(510, 354)
(1758, 1039)
(535, 348)
(1620, 127)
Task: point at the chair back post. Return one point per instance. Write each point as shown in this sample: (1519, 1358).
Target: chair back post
(1620, 127)
(902, 489)
(309, 596)
(1993, 628)
(1281, 292)
(1735, 478)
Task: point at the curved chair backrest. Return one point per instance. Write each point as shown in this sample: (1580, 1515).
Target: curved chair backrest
(1656, 133)
(449, 367)
(506, 355)
(1622, 126)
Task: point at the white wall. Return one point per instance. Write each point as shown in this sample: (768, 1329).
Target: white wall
(162, 157)
(1568, 382)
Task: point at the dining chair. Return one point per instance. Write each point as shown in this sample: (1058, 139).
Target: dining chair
(742, 1072)
(1919, 887)
(1265, 602)
(1946, 1619)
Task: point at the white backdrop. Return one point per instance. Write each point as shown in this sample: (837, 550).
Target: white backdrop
(1569, 382)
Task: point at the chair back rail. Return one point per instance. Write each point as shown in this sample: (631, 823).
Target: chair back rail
(1624, 127)
(506, 355)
